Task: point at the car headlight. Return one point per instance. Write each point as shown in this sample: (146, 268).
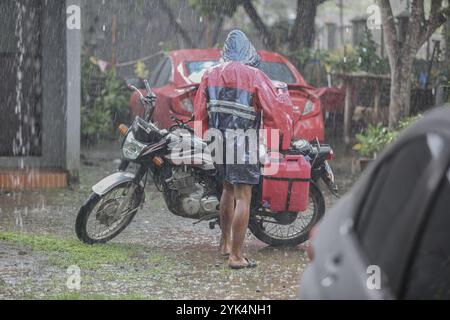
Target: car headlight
(309, 107)
(132, 148)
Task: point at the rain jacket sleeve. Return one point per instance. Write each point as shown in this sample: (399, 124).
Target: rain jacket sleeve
(200, 108)
(276, 107)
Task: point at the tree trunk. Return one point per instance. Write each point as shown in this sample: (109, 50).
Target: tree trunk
(211, 32)
(303, 32)
(447, 43)
(217, 30)
(403, 46)
(259, 24)
(178, 28)
(400, 105)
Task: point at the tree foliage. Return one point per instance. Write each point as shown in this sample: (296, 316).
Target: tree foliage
(298, 35)
(215, 8)
(368, 58)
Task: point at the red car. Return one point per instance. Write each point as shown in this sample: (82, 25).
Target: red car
(175, 80)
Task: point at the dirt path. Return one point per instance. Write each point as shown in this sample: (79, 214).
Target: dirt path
(160, 256)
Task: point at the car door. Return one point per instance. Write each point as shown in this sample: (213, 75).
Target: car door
(392, 210)
(429, 273)
(372, 244)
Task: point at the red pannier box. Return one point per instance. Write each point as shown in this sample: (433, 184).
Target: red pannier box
(287, 190)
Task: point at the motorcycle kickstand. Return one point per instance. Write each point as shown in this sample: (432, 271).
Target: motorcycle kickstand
(213, 224)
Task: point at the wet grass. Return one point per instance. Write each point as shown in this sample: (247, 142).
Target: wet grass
(108, 272)
(137, 272)
(102, 284)
(66, 252)
(95, 297)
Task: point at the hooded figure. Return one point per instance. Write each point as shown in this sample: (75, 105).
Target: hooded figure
(239, 48)
(234, 97)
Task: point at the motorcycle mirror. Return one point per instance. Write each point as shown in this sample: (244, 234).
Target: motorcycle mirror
(138, 83)
(147, 87)
(148, 111)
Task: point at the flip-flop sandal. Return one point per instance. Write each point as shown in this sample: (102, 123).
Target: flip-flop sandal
(250, 265)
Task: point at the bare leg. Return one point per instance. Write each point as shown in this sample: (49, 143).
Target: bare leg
(243, 195)
(226, 217)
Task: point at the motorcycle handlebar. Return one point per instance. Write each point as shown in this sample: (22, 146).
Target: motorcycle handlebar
(147, 102)
(131, 87)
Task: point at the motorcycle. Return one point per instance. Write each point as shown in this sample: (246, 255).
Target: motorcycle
(192, 191)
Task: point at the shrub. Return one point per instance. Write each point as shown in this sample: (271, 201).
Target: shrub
(375, 139)
(98, 110)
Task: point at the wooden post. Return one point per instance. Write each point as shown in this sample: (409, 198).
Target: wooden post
(341, 22)
(377, 102)
(114, 42)
(348, 115)
(331, 36)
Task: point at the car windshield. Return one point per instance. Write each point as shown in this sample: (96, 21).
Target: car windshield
(274, 70)
(197, 69)
(277, 71)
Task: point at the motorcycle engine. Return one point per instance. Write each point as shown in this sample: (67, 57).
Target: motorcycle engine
(193, 201)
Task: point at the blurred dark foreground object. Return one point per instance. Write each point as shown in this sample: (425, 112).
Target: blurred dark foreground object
(388, 238)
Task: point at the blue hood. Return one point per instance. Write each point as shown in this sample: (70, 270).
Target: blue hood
(239, 48)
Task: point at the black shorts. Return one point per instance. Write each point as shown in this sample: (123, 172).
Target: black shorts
(236, 174)
(243, 171)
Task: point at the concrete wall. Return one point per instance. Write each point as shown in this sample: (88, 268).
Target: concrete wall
(60, 78)
(73, 97)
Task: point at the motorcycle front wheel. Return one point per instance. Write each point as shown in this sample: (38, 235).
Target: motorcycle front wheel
(102, 218)
(289, 229)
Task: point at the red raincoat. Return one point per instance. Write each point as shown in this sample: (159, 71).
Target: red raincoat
(235, 82)
(234, 97)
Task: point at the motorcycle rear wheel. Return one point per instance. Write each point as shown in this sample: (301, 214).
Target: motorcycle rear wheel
(261, 231)
(88, 210)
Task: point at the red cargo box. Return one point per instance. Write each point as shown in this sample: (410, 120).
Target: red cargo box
(288, 189)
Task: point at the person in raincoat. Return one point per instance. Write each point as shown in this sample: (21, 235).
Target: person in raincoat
(234, 97)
